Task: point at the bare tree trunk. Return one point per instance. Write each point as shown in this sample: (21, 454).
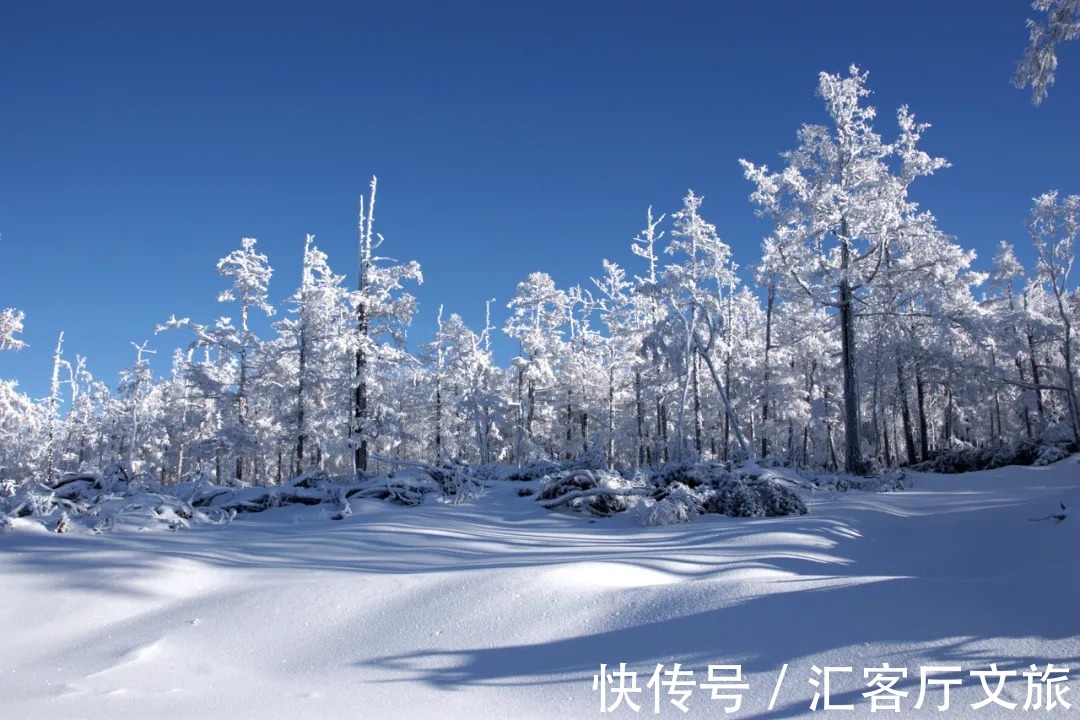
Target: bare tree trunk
(640, 419)
(697, 407)
(360, 400)
(810, 403)
(438, 422)
(361, 411)
(770, 301)
(995, 433)
(584, 431)
(532, 409)
(791, 441)
(611, 418)
(730, 421)
(54, 401)
(924, 429)
(853, 457)
(301, 435)
(1035, 379)
(519, 424)
(1070, 378)
(949, 431)
(833, 463)
(569, 422)
(905, 412)
(885, 443)
(661, 427)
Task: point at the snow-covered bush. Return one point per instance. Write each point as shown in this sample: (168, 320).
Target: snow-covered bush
(404, 487)
(678, 504)
(1049, 454)
(970, 459)
(691, 476)
(749, 496)
(535, 471)
(458, 481)
(888, 482)
(597, 492)
(676, 493)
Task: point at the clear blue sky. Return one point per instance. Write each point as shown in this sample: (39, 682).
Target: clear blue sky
(142, 140)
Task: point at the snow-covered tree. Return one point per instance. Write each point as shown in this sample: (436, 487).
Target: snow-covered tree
(11, 324)
(250, 273)
(1038, 66)
(838, 206)
(383, 313)
(700, 288)
(317, 343)
(539, 311)
(1055, 228)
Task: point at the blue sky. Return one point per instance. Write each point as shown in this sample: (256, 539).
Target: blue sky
(141, 141)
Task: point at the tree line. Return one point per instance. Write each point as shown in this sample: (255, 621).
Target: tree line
(862, 339)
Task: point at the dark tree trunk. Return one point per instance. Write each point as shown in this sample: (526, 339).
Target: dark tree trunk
(697, 406)
(905, 413)
(569, 422)
(853, 458)
(360, 402)
(924, 428)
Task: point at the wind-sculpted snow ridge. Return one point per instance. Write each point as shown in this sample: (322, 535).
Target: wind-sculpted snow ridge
(497, 608)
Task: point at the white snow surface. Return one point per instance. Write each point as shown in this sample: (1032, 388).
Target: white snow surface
(501, 609)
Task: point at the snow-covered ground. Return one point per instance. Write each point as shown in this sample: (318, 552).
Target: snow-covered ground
(500, 609)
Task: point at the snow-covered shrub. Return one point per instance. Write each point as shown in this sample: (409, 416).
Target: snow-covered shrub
(458, 481)
(41, 504)
(598, 492)
(1049, 454)
(746, 496)
(676, 493)
(312, 479)
(889, 482)
(535, 471)
(685, 474)
(404, 487)
(970, 459)
(677, 504)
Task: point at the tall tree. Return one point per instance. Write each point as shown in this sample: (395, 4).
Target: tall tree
(837, 207)
(1055, 228)
(383, 310)
(250, 273)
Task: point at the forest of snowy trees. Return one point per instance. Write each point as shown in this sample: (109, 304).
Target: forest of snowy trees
(860, 339)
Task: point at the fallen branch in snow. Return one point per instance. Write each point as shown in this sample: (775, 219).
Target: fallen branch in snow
(269, 499)
(94, 481)
(598, 492)
(400, 494)
(594, 492)
(457, 481)
(1058, 517)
